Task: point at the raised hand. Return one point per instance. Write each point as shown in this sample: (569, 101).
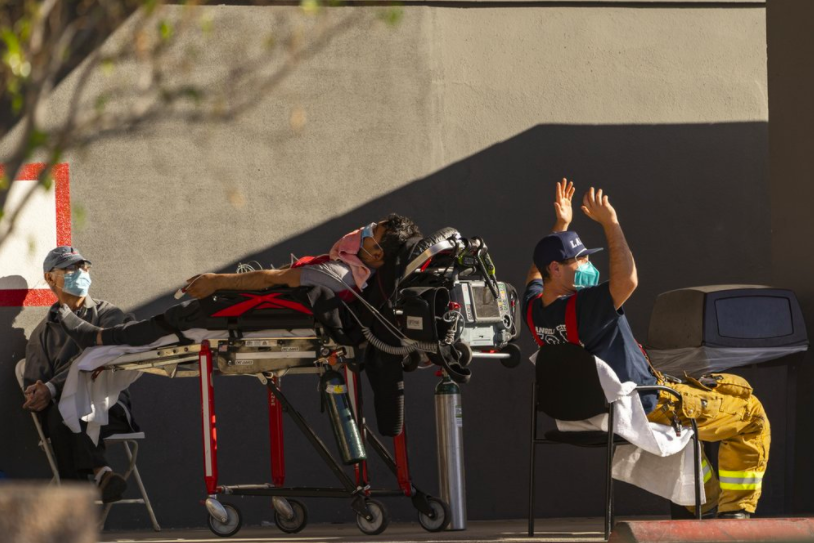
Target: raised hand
(562, 203)
(597, 206)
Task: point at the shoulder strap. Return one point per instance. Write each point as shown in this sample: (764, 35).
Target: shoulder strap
(571, 326)
(530, 321)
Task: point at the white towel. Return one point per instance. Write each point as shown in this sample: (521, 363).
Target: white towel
(656, 460)
(87, 399)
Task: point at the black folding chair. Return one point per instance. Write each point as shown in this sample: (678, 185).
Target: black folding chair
(567, 388)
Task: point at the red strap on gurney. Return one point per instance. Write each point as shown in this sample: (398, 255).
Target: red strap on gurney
(571, 328)
(311, 261)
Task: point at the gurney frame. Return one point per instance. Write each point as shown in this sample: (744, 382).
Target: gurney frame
(290, 515)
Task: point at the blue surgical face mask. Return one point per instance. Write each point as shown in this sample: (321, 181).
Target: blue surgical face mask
(77, 283)
(367, 231)
(586, 276)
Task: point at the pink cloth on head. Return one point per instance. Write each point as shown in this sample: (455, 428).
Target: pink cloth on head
(346, 250)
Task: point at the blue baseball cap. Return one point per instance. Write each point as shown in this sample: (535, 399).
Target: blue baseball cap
(62, 257)
(559, 246)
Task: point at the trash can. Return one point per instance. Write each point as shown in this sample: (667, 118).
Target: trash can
(711, 328)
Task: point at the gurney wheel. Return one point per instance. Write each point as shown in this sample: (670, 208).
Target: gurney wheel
(295, 523)
(232, 524)
(380, 519)
(441, 517)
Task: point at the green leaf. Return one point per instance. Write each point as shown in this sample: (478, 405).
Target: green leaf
(107, 66)
(149, 5)
(391, 16)
(36, 139)
(192, 93)
(2, 214)
(3, 182)
(79, 214)
(17, 103)
(207, 23)
(310, 7)
(12, 42)
(48, 181)
(100, 103)
(56, 155)
(165, 29)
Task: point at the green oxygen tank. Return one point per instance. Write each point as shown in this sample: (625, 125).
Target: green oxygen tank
(335, 397)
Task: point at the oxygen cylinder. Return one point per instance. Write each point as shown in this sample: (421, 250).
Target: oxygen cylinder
(450, 439)
(335, 397)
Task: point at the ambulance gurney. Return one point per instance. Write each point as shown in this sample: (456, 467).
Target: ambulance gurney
(240, 342)
(709, 329)
(284, 331)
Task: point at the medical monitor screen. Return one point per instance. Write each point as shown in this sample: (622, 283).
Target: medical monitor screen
(486, 307)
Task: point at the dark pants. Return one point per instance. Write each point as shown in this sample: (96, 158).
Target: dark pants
(175, 319)
(76, 455)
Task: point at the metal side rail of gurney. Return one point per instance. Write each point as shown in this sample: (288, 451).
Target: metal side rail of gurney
(248, 356)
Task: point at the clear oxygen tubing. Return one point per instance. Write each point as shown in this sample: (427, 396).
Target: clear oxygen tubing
(408, 346)
(375, 312)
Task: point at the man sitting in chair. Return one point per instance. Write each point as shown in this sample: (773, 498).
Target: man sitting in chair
(562, 273)
(48, 357)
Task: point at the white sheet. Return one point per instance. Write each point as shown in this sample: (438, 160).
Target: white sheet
(656, 460)
(89, 400)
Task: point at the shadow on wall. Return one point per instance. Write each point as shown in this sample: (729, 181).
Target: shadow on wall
(692, 200)
(18, 448)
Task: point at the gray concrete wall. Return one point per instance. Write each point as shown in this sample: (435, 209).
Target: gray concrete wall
(462, 117)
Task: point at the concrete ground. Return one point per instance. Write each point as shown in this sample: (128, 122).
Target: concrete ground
(571, 530)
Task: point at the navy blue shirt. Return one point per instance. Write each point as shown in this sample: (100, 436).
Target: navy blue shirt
(603, 331)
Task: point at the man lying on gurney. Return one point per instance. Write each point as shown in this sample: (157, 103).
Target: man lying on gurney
(347, 267)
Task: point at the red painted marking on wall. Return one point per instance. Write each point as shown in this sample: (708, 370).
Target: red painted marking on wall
(63, 197)
(23, 297)
(62, 190)
(62, 193)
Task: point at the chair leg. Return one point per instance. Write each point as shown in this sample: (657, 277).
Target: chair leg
(608, 477)
(697, 468)
(103, 518)
(611, 501)
(131, 456)
(140, 483)
(45, 443)
(532, 450)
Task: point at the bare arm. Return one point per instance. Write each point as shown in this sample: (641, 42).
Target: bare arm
(623, 276)
(533, 274)
(562, 205)
(564, 213)
(202, 286)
